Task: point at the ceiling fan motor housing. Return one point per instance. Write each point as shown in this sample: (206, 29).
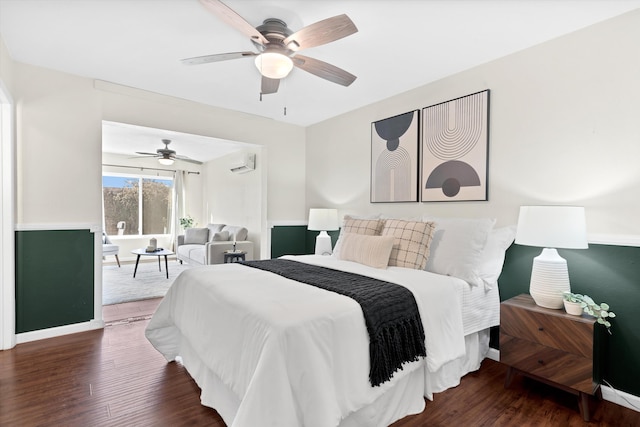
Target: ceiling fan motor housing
(166, 152)
(274, 30)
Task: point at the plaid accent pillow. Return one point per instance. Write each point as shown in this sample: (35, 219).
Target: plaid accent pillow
(412, 240)
(368, 227)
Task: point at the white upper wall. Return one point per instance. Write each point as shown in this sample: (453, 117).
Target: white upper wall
(564, 129)
(234, 198)
(58, 139)
(59, 149)
(6, 74)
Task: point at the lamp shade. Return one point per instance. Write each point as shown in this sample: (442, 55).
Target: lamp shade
(323, 220)
(552, 227)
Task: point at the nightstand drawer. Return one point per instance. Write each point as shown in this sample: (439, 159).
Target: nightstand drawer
(571, 370)
(558, 330)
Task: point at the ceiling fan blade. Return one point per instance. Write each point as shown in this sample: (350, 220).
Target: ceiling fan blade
(147, 154)
(269, 85)
(322, 32)
(229, 16)
(187, 159)
(216, 57)
(324, 70)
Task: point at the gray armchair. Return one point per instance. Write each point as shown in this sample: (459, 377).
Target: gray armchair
(109, 248)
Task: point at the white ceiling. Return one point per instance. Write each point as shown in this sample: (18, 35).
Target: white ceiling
(401, 45)
(121, 138)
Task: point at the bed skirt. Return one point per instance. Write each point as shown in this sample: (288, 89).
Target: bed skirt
(404, 398)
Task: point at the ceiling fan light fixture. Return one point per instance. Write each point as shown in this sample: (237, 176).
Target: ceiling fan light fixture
(274, 65)
(165, 161)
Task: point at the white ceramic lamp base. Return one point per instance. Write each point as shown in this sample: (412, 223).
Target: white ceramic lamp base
(549, 279)
(323, 244)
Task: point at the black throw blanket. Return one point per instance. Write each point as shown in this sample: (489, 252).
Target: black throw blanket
(390, 312)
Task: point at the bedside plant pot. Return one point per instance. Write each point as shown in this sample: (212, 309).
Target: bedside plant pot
(574, 308)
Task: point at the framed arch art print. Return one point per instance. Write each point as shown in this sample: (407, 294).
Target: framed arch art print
(394, 158)
(455, 149)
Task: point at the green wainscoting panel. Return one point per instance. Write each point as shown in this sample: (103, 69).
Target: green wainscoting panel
(54, 278)
(288, 240)
(295, 240)
(608, 274)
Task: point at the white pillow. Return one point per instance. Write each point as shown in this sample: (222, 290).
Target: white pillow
(196, 236)
(373, 251)
(236, 232)
(220, 236)
(213, 229)
(457, 246)
(492, 258)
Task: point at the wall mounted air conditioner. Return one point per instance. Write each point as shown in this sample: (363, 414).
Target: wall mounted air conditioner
(246, 164)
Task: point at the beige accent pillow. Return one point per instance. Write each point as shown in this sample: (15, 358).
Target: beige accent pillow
(373, 251)
(412, 240)
(367, 227)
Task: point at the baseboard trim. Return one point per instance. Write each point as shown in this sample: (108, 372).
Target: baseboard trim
(59, 331)
(493, 354)
(609, 394)
(621, 398)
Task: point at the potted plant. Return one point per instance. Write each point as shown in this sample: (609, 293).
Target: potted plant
(587, 304)
(186, 222)
(572, 303)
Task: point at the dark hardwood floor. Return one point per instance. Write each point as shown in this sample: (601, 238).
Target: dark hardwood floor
(130, 311)
(113, 377)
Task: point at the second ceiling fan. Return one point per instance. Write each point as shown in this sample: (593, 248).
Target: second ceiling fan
(166, 156)
(278, 46)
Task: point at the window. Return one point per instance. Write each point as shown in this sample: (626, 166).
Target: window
(137, 205)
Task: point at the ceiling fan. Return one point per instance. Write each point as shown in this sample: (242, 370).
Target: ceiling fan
(166, 156)
(277, 46)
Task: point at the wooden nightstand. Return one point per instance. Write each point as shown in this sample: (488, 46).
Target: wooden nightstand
(550, 346)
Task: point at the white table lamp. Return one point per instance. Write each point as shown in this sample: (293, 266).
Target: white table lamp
(551, 227)
(323, 220)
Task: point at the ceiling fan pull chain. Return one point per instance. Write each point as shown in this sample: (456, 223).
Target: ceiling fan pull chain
(284, 93)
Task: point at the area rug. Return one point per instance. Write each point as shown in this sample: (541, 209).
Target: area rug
(118, 284)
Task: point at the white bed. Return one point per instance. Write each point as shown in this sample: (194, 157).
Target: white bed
(263, 351)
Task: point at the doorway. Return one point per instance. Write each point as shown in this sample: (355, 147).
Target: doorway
(7, 208)
(212, 192)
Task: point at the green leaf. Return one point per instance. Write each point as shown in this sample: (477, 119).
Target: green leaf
(604, 306)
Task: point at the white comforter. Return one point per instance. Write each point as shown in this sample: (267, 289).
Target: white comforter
(295, 354)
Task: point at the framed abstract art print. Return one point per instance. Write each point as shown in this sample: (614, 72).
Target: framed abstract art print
(455, 147)
(394, 158)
